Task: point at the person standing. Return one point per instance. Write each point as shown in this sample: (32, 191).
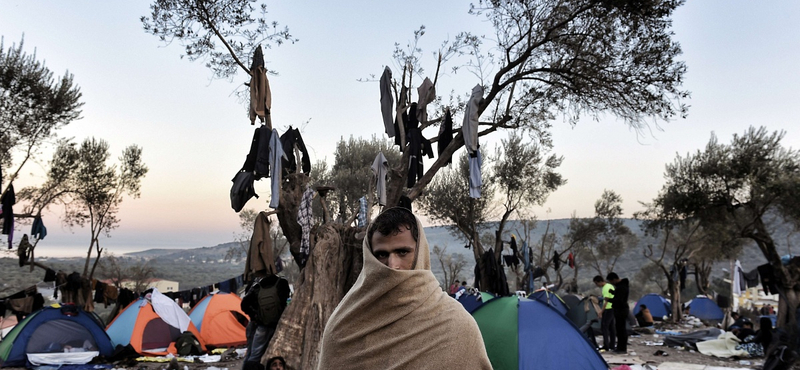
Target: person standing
(621, 310)
(607, 325)
(264, 302)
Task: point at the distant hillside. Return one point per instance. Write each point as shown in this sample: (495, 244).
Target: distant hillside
(202, 266)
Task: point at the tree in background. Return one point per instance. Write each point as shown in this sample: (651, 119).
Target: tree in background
(546, 59)
(737, 188)
(119, 270)
(89, 188)
(452, 264)
(33, 106)
(604, 238)
(351, 174)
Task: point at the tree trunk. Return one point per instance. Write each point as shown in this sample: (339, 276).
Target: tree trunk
(675, 296)
(332, 268)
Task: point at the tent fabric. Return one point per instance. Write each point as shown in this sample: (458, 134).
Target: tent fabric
(690, 339)
(658, 306)
(704, 308)
(471, 302)
(584, 311)
(551, 299)
(571, 300)
(50, 330)
(62, 358)
(168, 311)
(522, 333)
(215, 316)
(141, 327)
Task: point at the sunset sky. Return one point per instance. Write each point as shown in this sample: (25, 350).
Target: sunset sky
(742, 59)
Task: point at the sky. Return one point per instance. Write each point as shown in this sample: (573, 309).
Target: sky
(195, 133)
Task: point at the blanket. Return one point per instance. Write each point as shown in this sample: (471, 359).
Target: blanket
(723, 346)
(401, 319)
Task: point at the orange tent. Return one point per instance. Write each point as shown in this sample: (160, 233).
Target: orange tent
(220, 319)
(141, 327)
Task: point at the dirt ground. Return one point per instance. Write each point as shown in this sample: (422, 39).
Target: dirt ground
(641, 353)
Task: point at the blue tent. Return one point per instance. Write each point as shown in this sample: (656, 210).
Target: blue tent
(551, 299)
(521, 333)
(658, 306)
(49, 330)
(705, 309)
(471, 302)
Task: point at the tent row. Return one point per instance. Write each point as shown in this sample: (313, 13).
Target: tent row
(65, 334)
(541, 331)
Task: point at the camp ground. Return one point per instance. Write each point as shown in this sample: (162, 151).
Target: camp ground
(220, 320)
(55, 335)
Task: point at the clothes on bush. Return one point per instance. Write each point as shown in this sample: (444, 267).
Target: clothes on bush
(445, 134)
(387, 101)
(38, 230)
(291, 140)
(380, 168)
(304, 219)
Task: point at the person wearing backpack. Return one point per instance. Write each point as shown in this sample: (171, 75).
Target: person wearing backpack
(264, 301)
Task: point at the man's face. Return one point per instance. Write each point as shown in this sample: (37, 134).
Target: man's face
(396, 251)
(276, 365)
(599, 284)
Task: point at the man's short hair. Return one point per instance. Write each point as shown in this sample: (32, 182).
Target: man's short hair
(612, 276)
(598, 279)
(642, 306)
(464, 282)
(392, 221)
(276, 358)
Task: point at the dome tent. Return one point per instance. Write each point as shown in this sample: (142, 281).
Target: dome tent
(521, 333)
(220, 320)
(147, 331)
(658, 306)
(43, 336)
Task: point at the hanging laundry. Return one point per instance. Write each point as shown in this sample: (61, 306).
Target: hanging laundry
(418, 146)
(445, 134)
(362, 212)
(751, 278)
(8, 200)
(290, 140)
(260, 259)
(470, 125)
(514, 251)
(571, 260)
(387, 101)
(426, 93)
(737, 277)
(250, 161)
(260, 94)
(380, 167)
(475, 181)
(401, 118)
(49, 275)
(305, 220)
(556, 261)
(242, 189)
(38, 230)
(276, 155)
(768, 280)
(263, 160)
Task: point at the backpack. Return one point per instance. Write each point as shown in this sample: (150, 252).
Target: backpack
(187, 344)
(269, 305)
